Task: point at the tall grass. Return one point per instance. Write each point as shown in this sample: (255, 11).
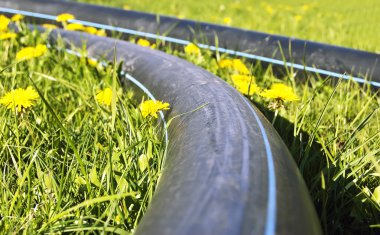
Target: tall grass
(333, 132)
(70, 163)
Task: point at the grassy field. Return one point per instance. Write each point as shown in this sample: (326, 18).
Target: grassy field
(77, 153)
(333, 131)
(347, 23)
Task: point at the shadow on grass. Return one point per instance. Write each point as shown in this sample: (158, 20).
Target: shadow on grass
(340, 209)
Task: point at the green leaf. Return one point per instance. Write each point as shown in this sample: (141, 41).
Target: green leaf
(79, 180)
(143, 162)
(94, 177)
(376, 194)
(114, 91)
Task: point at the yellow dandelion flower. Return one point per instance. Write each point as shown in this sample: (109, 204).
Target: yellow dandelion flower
(4, 22)
(246, 88)
(7, 35)
(152, 107)
(234, 64)
(244, 84)
(181, 16)
(306, 7)
(20, 98)
(242, 77)
(227, 20)
(297, 18)
(101, 32)
(280, 92)
(49, 26)
(226, 63)
(31, 52)
(104, 97)
(92, 62)
(90, 30)
(192, 49)
(240, 67)
(269, 9)
(17, 17)
(40, 49)
(95, 63)
(145, 43)
(75, 27)
(127, 7)
(64, 17)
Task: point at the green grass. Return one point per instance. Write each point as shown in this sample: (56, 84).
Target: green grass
(332, 132)
(69, 163)
(346, 23)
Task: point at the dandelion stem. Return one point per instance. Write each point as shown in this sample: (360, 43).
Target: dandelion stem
(275, 116)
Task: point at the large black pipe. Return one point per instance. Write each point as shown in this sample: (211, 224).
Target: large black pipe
(327, 59)
(227, 170)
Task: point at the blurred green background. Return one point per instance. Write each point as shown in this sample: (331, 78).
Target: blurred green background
(349, 23)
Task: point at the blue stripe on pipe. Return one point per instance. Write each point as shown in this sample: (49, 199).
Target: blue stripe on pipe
(272, 201)
(185, 42)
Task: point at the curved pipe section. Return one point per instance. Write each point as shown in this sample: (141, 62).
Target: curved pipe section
(302, 55)
(227, 171)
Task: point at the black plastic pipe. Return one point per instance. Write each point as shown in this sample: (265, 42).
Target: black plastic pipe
(304, 55)
(227, 170)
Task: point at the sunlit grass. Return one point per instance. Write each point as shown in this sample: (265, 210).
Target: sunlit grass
(345, 23)
(70, 162)
(332, 132)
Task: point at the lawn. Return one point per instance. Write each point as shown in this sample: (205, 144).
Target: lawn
(77, 151)
(331, 127)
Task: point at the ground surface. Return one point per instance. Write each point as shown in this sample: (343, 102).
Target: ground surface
(73, 157)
